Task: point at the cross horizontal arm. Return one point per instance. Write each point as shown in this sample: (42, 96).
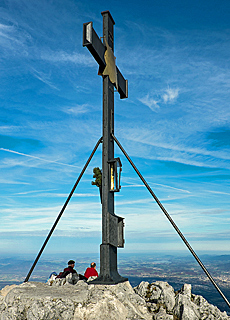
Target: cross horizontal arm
(97, 49)
(94, 44)
(122, 85)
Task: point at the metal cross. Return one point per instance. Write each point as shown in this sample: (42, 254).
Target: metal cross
(112, 225)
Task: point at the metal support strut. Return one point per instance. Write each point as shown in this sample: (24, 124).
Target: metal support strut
(62, 210)
(171, 221)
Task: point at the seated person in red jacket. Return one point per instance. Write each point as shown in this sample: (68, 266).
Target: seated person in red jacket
(91, 272)
(68, 270)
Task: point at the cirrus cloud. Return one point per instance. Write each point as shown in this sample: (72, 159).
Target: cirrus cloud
(170, 95)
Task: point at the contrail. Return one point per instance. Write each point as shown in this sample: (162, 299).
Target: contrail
(27, 155)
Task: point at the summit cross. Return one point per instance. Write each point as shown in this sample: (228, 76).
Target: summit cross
(112, 225)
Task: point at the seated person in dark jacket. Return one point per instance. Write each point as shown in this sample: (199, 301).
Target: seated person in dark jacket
(68, 270)
(91, 272)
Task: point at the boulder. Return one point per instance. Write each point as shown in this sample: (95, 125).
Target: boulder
(71, 278)
(185, 308)
(157, 294)
(38, 301)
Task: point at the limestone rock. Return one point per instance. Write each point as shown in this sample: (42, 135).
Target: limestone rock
(73, 299)
(71, 278)
(162, 315)
(38, 301)
(157, 293)
(208, 311)
(184, 308)
(115, 302)
(166, 304)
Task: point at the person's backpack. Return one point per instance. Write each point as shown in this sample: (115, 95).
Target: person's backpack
(53, 273)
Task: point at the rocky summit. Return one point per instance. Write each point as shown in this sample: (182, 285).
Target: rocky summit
(82, 301)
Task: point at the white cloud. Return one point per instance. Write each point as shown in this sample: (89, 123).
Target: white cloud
(149, 102)
(79, 109)
(77, 214)
(37, 158)
(61, 56)
(170, 95)
(14, 182)
(9, 129)
(5, 31)
(14, 40)
(45, 78)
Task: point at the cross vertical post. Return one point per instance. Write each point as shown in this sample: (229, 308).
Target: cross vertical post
(111, 224)
(108, 252)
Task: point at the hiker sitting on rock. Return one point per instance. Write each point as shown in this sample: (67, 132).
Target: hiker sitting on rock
(91, 272)
(68, 270)
(69, 275)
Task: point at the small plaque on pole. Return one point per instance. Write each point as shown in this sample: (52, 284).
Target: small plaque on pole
(116, 231)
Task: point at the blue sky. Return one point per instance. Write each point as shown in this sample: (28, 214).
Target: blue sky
(175, 125)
